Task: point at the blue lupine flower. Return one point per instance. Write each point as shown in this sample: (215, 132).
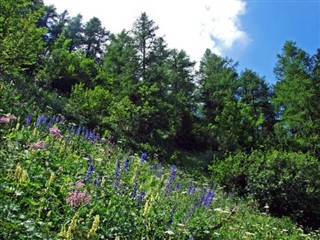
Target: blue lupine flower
(173, 172)
(39, 120)
(89, 173)
(190, 187)
(126, 164)
(86, 134)
(28, 120)
(208, 198)
(50, 123)
(78, 130)
(143, 157)
(170, 180)
(117, 174)
(203, 196)
(179, 186)
(141, 197)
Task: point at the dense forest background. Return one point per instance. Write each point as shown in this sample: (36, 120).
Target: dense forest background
(249, 136)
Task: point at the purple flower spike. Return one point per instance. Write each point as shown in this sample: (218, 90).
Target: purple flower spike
(144, 157)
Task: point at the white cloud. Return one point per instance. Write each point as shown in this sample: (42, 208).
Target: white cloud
(192, 25)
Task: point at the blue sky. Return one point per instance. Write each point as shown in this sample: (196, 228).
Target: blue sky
(269, 24)
(251, 32)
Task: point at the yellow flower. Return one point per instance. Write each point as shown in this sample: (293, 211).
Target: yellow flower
(95, 226)
(73, 225)
(20, 174)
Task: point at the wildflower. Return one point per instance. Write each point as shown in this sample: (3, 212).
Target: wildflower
(55, 132)
(78, 198)
(144, 157)
(37, 145)
(89, 173)
(173, 172)
(141, 197)
(94, 227)
(63, 233)
(117, 174)
(28, 120)
(126, 164)
(190, 186)
(20, 174)
(4, 120)
(86, 133)
(79, 130)
(73, 225)
(52, 178)
(207, 199)
(12, 117)
(169, 182)
(147, 207)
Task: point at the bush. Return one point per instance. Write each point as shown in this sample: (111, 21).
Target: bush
(289, 183)
(231, 173)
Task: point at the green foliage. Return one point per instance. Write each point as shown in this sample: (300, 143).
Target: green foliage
(232, 172)
(296, 98)
(20, 38)
(89, 106)
(63, 69)
(287, 182)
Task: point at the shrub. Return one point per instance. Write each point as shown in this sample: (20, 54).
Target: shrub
(289, 183)
(231, 173)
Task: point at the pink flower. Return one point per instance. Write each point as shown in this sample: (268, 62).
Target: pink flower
(37, 145)
(4, 120)
(55, 132)
(78, 198)
(12, 117)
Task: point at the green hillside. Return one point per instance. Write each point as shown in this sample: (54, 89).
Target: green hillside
(117, 136)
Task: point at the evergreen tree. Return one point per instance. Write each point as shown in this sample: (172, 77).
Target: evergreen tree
(94, 39)
(257, 113)
(218, 85)
(181, 92)
(54, 23)
(296, 98)
(119, 70)
(144, 35)
(74, 31)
